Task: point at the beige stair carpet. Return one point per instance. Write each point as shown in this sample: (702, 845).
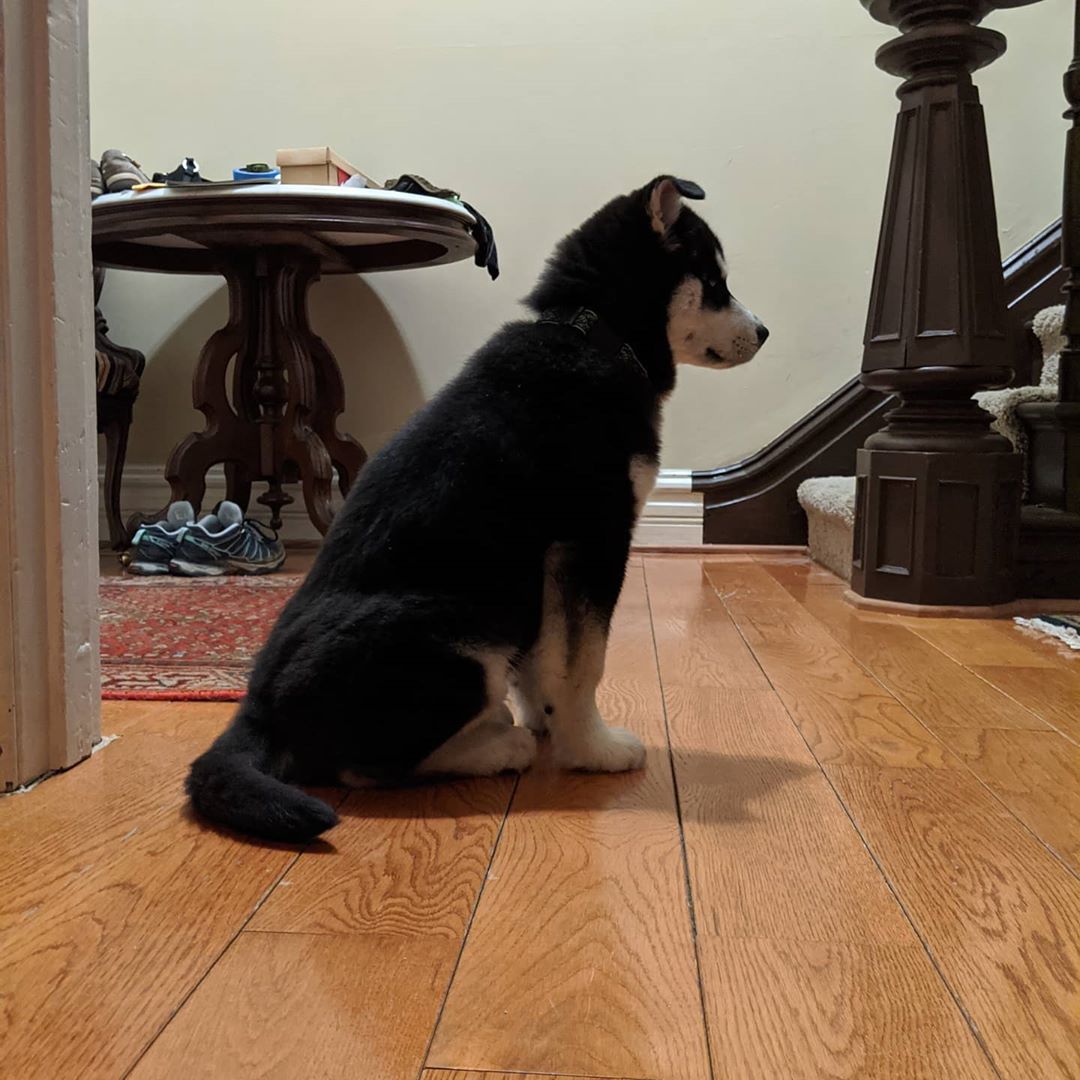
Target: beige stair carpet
(829, 502)
(1001, 404)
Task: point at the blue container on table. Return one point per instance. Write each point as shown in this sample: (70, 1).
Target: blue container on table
(258, 173)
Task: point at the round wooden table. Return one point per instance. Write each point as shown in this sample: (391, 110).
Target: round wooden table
(270, 243)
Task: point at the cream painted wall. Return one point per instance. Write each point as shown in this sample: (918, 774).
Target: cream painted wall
(538, 113)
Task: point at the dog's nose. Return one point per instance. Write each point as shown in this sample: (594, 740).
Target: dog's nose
(762, 334)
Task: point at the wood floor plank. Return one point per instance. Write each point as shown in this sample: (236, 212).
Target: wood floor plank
(1054, 695)
(117, 902)
(1031, 768)
(843, 712)
(127, 788)
(939, 691)
(390, 903)
(89, 979)
(791, 1010)
(998, 912)
(115, 905)
(811, 573)
(809, 966)
(974, 642)
(408, 862)
(580, 959)
(696, 642)
(469, 1074)
(294, 1005)
(772, 852)
(1036, 774)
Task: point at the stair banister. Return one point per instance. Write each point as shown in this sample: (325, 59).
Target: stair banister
(937, 515)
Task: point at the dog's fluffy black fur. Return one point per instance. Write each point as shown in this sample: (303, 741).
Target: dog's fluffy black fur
(508, 497)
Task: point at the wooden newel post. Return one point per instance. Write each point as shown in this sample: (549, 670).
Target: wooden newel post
(938, 501)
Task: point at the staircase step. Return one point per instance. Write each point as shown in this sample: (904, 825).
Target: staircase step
(1049, 327)
(829, 502)
(1001, 405)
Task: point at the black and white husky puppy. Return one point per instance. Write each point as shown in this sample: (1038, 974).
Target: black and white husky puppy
(480, 554)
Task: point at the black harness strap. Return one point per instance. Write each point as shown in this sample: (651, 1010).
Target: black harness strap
(597, 332)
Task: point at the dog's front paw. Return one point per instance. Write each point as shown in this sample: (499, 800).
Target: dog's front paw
(605, 750)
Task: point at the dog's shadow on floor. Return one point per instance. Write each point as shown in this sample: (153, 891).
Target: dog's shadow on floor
(712, 788)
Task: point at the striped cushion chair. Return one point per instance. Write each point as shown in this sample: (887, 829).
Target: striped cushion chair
(118, 373)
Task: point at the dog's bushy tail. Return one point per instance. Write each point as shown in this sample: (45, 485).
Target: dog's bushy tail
(229, 785)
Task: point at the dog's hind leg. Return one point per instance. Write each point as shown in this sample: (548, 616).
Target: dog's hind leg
(490, 743)
(485, 747)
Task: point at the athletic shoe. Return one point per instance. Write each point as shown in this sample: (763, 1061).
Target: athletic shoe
(97, 181)
(121, 172)
(225, 543)
(154, 545)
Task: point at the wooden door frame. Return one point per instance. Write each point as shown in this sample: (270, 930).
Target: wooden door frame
(50, 685)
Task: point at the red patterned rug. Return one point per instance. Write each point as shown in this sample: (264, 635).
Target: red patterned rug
(179, 639)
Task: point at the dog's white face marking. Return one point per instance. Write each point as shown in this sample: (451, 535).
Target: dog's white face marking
(643, 472)
(707, 337)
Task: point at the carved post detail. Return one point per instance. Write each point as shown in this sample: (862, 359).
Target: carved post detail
(938, 493)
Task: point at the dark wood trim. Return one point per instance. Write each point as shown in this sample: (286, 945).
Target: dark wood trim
(1034, 279)
(1049, 560)
(752, 501)
(1033, 274)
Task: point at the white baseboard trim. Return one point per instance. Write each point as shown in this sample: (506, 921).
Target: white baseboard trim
(673, 515)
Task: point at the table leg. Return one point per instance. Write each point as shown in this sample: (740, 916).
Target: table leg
(190, 460)
(227, 437)
(287, 395)
(272, 394)
(347, 455)
(237, 484)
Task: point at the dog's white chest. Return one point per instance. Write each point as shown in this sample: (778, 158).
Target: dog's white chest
(643, 473)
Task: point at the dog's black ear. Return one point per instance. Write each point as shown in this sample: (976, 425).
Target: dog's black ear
(688, 189)
(665, 200)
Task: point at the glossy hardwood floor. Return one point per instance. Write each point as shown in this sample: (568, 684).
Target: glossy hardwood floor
(854, 852)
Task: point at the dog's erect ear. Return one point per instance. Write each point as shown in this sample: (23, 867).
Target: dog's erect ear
(665, 200)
